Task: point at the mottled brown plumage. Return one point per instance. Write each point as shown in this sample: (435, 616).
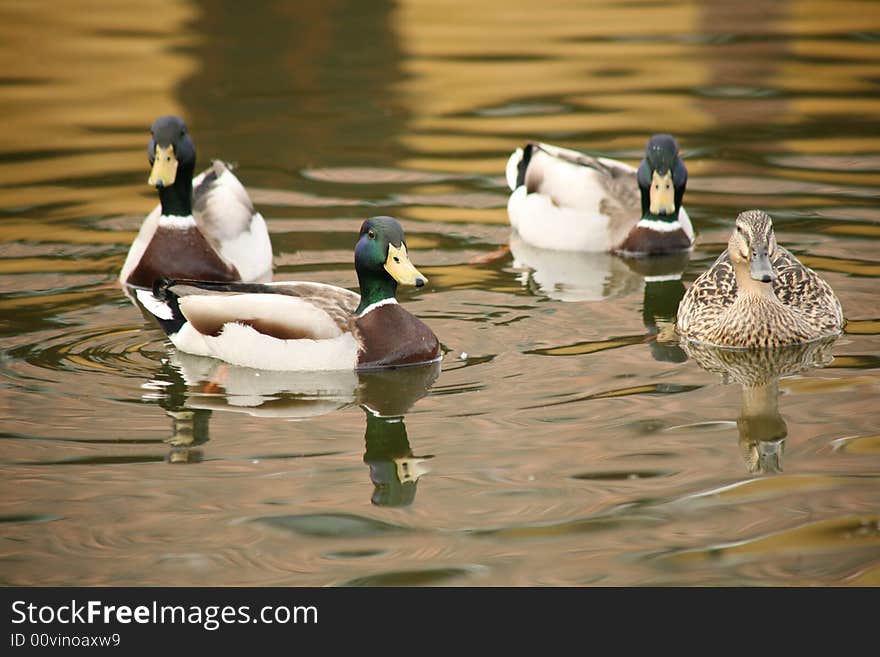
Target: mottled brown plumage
(731, 305)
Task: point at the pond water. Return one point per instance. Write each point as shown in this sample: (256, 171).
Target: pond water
(566, 439)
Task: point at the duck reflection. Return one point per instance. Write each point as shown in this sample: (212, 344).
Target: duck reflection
(574, 276)
(663, 292)
(385, 396)
(762, 429)
(192, 387)
(189, 426)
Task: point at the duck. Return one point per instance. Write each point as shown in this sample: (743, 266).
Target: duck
(203, 228)
(758, 295)
(301, 325)
(565, 200)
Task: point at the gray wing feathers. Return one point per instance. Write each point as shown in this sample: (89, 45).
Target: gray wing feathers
(221, 205)
(573, 179)
(339, 303)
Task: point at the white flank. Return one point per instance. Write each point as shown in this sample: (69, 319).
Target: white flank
(242, 345)
(384, 302)
(512, 169)
(251, 251)
(686, 225)
(570, 185)
(229, 219)
(563, 213)
(542, 223)
(191, 341)
(153, 305)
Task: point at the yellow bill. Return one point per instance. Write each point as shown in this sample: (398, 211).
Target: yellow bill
(662, 194)
(401, 269)
(164, 167)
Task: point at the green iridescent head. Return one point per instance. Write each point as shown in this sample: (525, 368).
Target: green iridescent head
(381, 261)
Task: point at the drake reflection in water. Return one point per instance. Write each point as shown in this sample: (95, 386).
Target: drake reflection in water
(385, 395)
(190, 388)
(663, 292)
(762, 429)
(569, 276)
(189, 426)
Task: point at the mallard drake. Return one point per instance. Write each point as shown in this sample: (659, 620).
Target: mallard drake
(567, 201)
(204, 228)
(300, 325)
(757, 294)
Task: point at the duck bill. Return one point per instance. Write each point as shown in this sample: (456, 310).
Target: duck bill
(164, 167)
(761, 269)
(662, 194)
(401, 269)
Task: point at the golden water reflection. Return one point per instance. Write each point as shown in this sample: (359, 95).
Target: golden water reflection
(574, 438)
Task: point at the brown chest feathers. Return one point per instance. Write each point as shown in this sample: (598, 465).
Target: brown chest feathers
(646, 241)
(390, 336)
(176, 253)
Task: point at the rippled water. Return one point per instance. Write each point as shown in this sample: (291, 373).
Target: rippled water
(568, 438)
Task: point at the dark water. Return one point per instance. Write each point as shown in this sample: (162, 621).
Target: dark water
(568, 439)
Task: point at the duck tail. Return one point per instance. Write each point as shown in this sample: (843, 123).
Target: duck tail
(517, 165)
(162, 304)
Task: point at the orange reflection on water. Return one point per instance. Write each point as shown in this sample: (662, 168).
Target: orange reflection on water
(83, 79)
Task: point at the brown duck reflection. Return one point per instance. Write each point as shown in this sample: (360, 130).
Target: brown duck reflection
(762, 429)
(192, 387)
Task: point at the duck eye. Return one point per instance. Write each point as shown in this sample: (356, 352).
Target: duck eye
(396, 259)
(371, 234)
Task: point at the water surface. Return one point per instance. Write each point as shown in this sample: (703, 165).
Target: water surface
(567, 439)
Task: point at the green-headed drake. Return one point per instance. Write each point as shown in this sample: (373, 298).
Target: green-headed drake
(305, 326)
(204, 228)
(757, 294)
(565, 200)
